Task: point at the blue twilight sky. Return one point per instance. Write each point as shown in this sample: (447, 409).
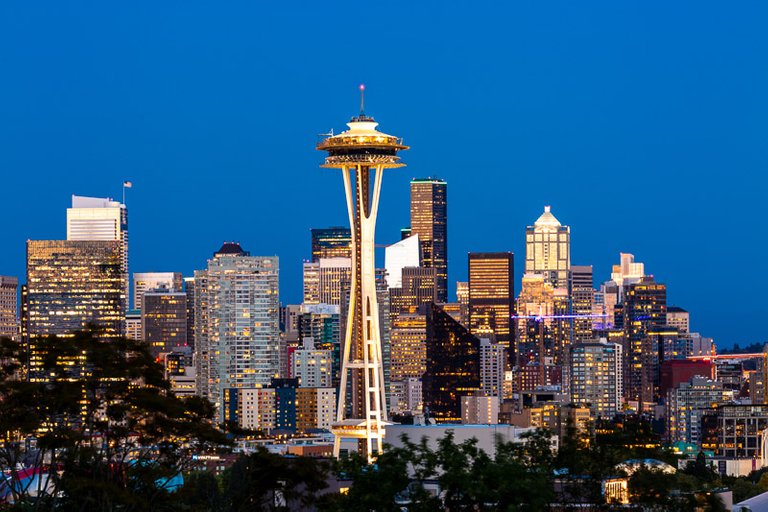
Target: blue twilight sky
(642, 123)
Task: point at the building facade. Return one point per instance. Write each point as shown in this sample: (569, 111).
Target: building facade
(492, 295)
(429, 220)
(333, 242)
(236, 323)
(548, 249)
(164, 320)
(150, 281)
(596, 377)
(9, 309)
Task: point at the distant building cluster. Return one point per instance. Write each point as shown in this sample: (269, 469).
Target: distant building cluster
(559, 351)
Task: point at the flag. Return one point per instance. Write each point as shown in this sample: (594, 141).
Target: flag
(127, 184)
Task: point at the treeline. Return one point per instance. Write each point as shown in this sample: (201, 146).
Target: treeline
(92, 425)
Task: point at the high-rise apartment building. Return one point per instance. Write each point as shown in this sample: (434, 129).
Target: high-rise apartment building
(582, 302)
(164, 320)
(492, 367)
(685, 406)
(96, 218)
(548, 249)
(596, 377)
(9, 309)
(312, 366)
(327, 281)
(189, 291)
(144, 282)
(492, 295)
(543, 323)
(71, 284)
(333, 242)
(236, 323)
(429, 220)
(453, 366)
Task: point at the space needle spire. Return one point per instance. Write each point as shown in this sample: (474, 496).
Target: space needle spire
(362, 153)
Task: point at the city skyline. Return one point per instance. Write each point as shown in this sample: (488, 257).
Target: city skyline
(631, 182)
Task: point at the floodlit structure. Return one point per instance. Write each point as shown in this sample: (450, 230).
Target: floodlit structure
(362, 153)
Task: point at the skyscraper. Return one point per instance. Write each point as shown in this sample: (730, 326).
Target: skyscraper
(453, 366)
(327, 281)
(548, 249)
(596, 376)
(409, 348)
(644, 309)
(362, 153)
(236, 323)
(164, 320)
(429, 220)
(334, 242)
(148, 281)
(96, 218)
(9, 309)
(492, 295)
(582, 302)
(71, 284)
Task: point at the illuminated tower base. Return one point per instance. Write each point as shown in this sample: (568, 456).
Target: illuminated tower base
(362, 153)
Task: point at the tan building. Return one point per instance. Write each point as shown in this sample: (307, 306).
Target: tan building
(429, 220)
(408, 347)
(491, 295)
(327, 281)
(315, 408)
(480, 409)
(257, 408)
(548, 249)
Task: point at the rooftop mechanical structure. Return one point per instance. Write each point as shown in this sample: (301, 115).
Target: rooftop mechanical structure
(362, 153)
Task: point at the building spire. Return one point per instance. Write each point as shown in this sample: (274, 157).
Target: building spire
(362, 100)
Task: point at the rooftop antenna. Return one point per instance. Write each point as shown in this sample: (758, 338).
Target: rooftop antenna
(362, 100)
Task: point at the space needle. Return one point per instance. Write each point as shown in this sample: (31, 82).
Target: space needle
(362, 153)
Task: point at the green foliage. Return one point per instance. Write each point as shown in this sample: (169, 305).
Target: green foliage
(102, 413)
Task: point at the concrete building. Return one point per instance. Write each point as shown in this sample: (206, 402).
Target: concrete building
(479, 409)
(236, 323)
(685, 406)
(9, 309)
(312, 366)
(596, 377)
(492, 366)
(315, 408)
(144, 282)
(582, 295)
(679, 319)
(327, 281)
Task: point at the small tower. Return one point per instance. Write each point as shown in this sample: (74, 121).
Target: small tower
(362, 153)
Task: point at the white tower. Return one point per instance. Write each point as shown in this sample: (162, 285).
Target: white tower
(362, 153)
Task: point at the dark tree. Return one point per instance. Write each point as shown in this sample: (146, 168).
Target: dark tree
(98, 420)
